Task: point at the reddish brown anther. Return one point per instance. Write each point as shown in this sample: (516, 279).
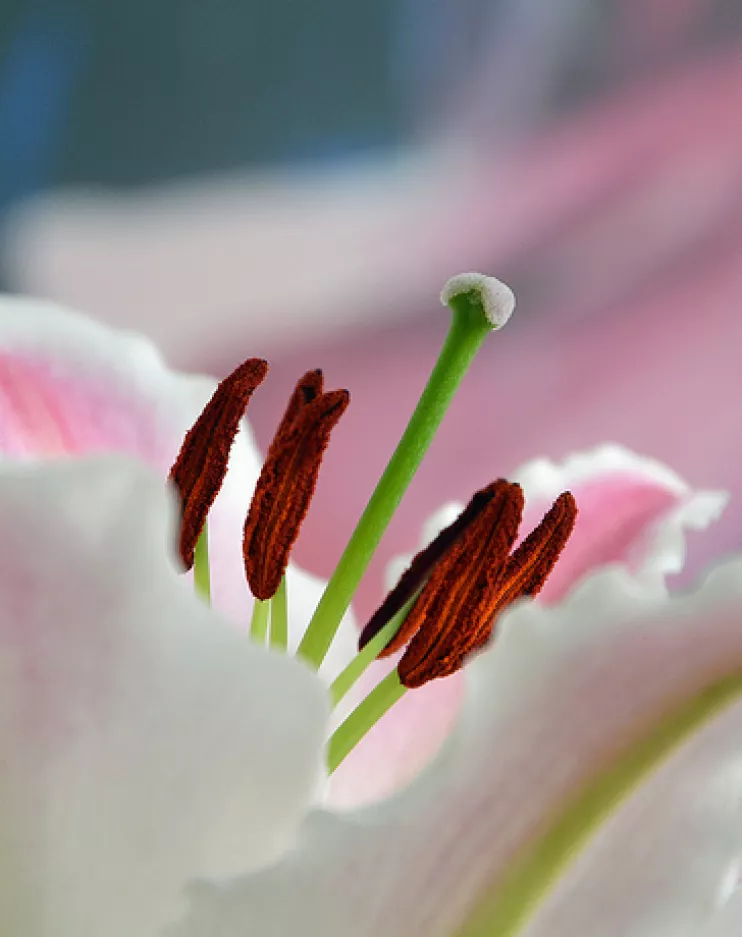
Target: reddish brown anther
(474, 578)
(287, 481)
(419, 570)
(201, 465)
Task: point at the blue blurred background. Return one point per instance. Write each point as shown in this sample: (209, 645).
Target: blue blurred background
(97, 93)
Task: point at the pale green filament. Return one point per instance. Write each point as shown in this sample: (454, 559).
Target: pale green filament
(201, 572)
(279, 631)
(260, 617)
(378, 702)
(345, 681)
(531, 876)
(468, 329)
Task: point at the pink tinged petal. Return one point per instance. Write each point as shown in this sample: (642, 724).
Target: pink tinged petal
(632, 510)
(144, 741)
(70, 386)
(566, 693)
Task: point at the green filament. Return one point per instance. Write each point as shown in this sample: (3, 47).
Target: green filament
(201, 572)
(260, 617)
(378, 702)
(279, 630)
(346, 680)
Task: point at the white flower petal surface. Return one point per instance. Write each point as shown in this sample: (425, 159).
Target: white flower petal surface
(144, 741)
(727, 922)
(554, 704)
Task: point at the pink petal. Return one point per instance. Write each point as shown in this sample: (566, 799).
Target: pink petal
(633, 511)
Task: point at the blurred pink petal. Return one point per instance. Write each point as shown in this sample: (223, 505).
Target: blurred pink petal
(632, 512)
(640, 181)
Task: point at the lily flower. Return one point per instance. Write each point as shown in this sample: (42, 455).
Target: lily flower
(92, 554)
(69, 386)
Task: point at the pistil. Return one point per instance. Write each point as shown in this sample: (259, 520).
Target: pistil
(478, 305)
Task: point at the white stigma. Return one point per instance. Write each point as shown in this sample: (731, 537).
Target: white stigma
(496, 297)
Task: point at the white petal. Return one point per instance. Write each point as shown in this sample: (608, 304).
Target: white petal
(564, 694)
(727, 922)
(143, 740)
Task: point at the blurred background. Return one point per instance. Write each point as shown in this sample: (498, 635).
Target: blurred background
(298, 180)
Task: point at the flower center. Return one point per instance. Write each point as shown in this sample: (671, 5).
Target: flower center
(444, 607)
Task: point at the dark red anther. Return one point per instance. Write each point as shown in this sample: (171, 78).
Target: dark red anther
(287, 481)
(201, 465)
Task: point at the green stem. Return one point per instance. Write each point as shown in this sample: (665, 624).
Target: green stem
(201, 572)
(279, 631)
(347, 679)
(378, 702)
(466, 334)
(259, 623)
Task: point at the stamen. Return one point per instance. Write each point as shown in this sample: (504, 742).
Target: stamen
(451, 630)
(459, 600)
(418, 572)
(201, 465)
(531, 563)
(455, 612)
(287, 481)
